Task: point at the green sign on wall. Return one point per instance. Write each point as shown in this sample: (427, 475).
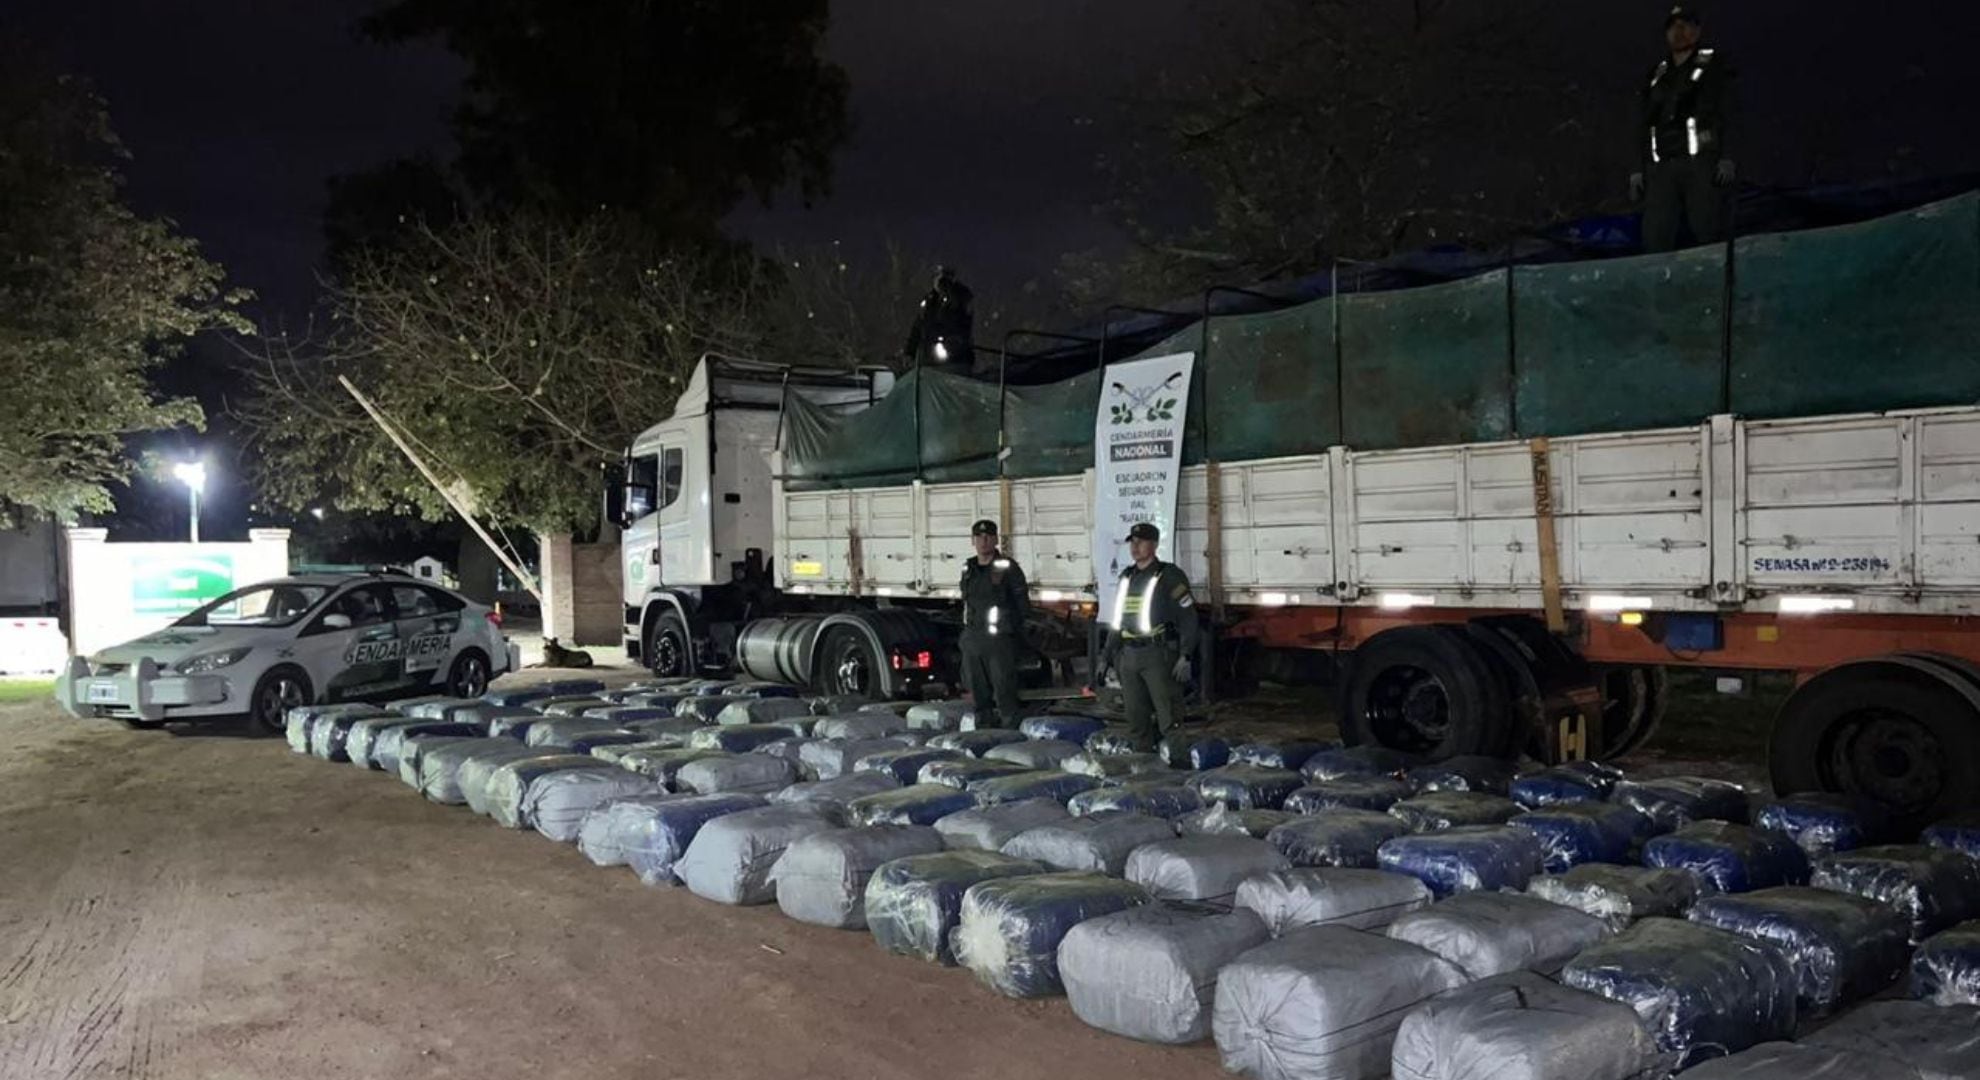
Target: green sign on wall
(176, 584)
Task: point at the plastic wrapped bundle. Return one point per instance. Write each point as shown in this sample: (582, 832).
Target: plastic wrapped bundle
(1586, 832)
(1453, 809)
(1960, 833)
(935, 715)
(626, 715)
(571, 687)
(569, 705)
(413, 751)
(328, 732)
(437, 707)
(764, 710)
(1842, 947)
(1168, 801)
(440, 767)
(1290, 754)
(1336, 838)
(839, 792)
(672, 733)
(1520, 1026)
(472, 778)
(1041, 755)
(1552, 787)
(702, 707)
(297, 722)
(1056, 785)
(1941, 1042)
(1330, 896)
(363, 734)
(1189, 752)
(989, 828)
(1246, 787)
(591, 742)
(1470, 772)
(1821, 823)
(959, 773)
(898, 708)
(657, 699)
(515, 725)
(1702, 992)
(830, 758)
(1220, 820)
(615, 753)
(1931, 887)
(903, 764)
(919, 804)
(1322, 1003)
(1796, 1061)
(789, 750)
(520, 695)
(871, 725)
(822, 878)
(758, 774)
(1067, 728)
(404, 706)
(834, 704)
(1110, 766)
(1110, 740)
(1729, 858)
(652, 834)
(560, 732)
(913, 904)
(1355, 793)
(1356, 761)
(1465, 859)
(1010, 928)
(1098, 844)
(731, 857)
(1619, 895)
(1677, 801)
(738, 738)
(1489, 933)
(664, 765)
(1206, 869)
(1946, 968)
(759, 689)
(388, 744)
(507, 798)
(601, 833)
(1150, 972)
(556, 804)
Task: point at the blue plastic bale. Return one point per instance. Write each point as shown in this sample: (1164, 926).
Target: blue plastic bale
(1822, 823)
(959, 773)
(1574, 833)
(1960, 833)
(1453, 809)
(1357, 761)
(1946, 968)
(1553, 787)
(1065, 728)
(1348, 838)
(921, 804)
(1843, 948)
(1199, 754)
(1246, 787)
(1702, 992)
(1010, 928)
(1677, 801)
(1162, 800)
(1290, 754)
(1056, 785)
(1931, 887)
(974, 743)
(1356, 793)
(913, 903)
(1464, 859)
(904, 765)
(1728, 858)
(1472, 772)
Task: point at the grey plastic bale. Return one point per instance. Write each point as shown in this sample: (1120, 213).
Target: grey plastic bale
(1221, 820)
(560, 732)
(602, 833)
(1465, 859)
(330, 730)
(1795, 1061)
(739, 738)
(757, 774)
(1322, 1003)
(448, 708)
(731, 857)
(791, 750)
(1946, 968)
(1150, 972)
(1336, 837)
(362, 739)
(1288, 900)
(834, 704)
(839, 792)
(1487, 933)
(1099, 844)
(1941, 1041)
(472, 777)
(763, 711)
(487, 712)
(508, 786)
(672, 732)
(1246, 787)
(898, 708)
(1376, 793)
(1521, 1026)
(591, 743)
(1676, 801)
(615, 752)
(665, 765)
(1931, 887)
(1152, 774)
(1155, 799)
(960, 773)
(556, 804)
(917, 804)
(1466, 772)
(1842, 947)
(1044, 754)
(1106, 766)
(1619, 895)
(652, 834)
(903, 765)
(989, 828)
(439, 768)
(1205, 869)
(935, 715)
(822, 878)
(415, 706)
(569, 705)
(974, 743)
(858, 726)
(826, 759)
(913, 904)
(626, 715)
(512, 724)
(1055, 785)
(1702, 992)
(413, 751)
(1453, 809)
(1009, 929)
(702, 707)
(387, 748)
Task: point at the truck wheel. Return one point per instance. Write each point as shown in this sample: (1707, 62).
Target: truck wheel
(275, 693)
(1902, 731)
(668, 651)
(1633, 697)
(1425, 690)
(848, 666)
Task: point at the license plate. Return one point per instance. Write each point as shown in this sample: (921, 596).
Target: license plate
(103, 693)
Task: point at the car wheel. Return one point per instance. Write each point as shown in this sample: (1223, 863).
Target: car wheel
(469, 676)
(668, 651)
(275, 693)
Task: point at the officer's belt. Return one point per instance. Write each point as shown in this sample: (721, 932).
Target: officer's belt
(1139, 641)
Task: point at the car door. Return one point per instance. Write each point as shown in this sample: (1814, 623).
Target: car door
(351, 648)
(429, 624)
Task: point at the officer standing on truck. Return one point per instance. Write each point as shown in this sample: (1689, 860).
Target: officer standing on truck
(1687, 109)
(944, 328)
(996, 602)
(1150, 639)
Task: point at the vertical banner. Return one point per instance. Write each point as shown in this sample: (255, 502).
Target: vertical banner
(1137, 456)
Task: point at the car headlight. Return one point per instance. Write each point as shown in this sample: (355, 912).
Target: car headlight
(212, 661)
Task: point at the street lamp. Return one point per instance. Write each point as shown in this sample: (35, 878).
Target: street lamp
(193, 475)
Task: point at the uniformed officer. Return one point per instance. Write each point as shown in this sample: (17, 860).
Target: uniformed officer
(1687, 109)
(1151, 637)
(995, 603)
(943, 334)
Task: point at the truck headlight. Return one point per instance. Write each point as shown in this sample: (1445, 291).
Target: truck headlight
(212, 661)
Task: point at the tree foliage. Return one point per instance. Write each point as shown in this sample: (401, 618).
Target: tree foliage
(93, 299)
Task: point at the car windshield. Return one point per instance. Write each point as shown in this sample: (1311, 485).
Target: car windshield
(275, 604)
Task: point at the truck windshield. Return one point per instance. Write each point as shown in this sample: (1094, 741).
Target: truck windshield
(274, 604)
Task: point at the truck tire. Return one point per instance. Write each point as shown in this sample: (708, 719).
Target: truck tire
(1902, 731)
(1633, 697)
(1425, 690)
(847, 665)
(669, 651)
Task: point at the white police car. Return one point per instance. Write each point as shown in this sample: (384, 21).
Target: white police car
(295, 641)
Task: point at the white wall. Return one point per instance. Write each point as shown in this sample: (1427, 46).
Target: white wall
(121, 591)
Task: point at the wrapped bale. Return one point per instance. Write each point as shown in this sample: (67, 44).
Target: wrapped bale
(1619, 895)
(668, 733)
(415, 706)
(1221, 820)
(1111, 766)
(1246, 787)
(1355, 793)
(1009, 930)
(1289, 754)
(592, 742)
(665, 765)
(702, 707)
(1065, 728)
(519, 695)
(441, 707)
(1055, 785)
(560, 732)
(1098, 844)
(839, 792)
(1466, 772)
(653, 833)
(1729, 858)
(919, 804)
(508, 785)
(1189, 752)
(1941, 1042)
(557, 803)
(1205, 869)
(515, 725)
(1162, 800)
(472, 778)
(1794, 1061)
(657, 699)
(822, 877)
(859, 726)
(1453, 809)
(1487, 933)
(1330, 896)
(1702, 992)
(738, 738)
(413, 751)
(913, 904)
(440, 767)
(1041, 755)
(298, 722)
(935, 715)
(330, 730)
(1336, 838)
(361, 740)
(1110, 740)
(1150, 972)
(388, 746)
(571, 687)
(830, 758)
(974, 743)
(758, 774)
(1584, 832)
(1465, 859)
(730, 859)
(1946, 968)
(569, 705)
(989, 828)
(615, 753)
(601, 834)
(959, 773)
(757, 688)
(790, 750)
(1841, 947)
(1677, 801)
(1552, 787)
(1357, 761)
(834, 704)
(898, 708)
(1521, 1026)
(764, 710)
(1322, 1003)
(1821, 823)
(903, 764)
(1931, 887)
(1960, 833)
(626, 715)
